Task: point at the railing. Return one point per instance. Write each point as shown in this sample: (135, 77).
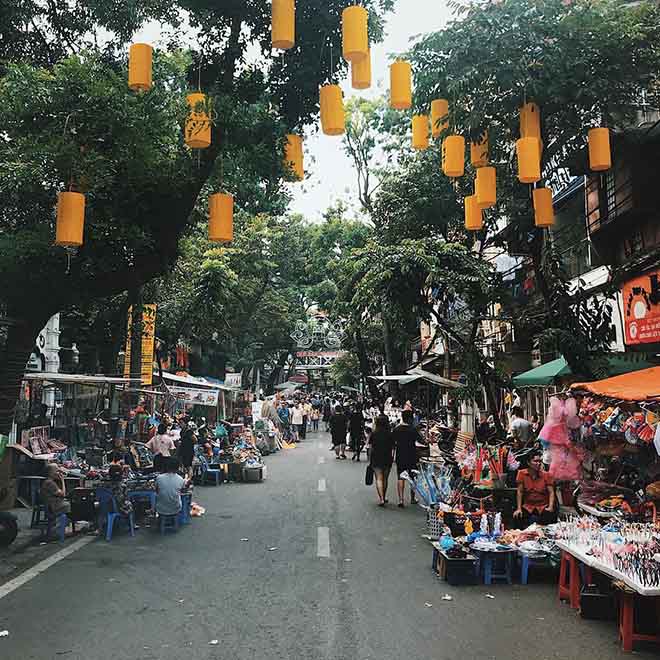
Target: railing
(608, 197)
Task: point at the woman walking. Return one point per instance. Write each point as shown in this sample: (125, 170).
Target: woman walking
(405, 438)
(356, 426)
(338, 427)
(382, 457)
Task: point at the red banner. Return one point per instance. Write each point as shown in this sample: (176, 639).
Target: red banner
(641, 309)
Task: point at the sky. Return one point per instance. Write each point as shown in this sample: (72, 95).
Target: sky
(331, 175)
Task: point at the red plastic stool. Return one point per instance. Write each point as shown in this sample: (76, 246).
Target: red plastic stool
(627, 633)
(569, 580)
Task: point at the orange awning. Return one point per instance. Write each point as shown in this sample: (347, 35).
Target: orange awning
(640, 386)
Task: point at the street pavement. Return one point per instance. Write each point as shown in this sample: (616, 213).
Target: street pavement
(246, 581)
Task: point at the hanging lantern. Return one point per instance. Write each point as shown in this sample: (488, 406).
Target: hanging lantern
(283, 24)
(544, 212)
(293, 156)
(401, 85)
(140, 58)
(473, 218)
(70, 219)
(479, 152)
(439, 114)
(221, 218)
(530, 121)
(361, 72)
(485, 187)
(333, 121)
(420, 132)
(600, 155)
(355, 35)
(453, 155)
(529, 160)
(198, 124)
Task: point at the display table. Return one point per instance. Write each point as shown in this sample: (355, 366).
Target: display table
(627, 632)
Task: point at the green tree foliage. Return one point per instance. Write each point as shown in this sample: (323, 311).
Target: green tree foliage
(70, 122)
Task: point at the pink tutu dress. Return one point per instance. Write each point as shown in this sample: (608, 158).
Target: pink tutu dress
(566, 457)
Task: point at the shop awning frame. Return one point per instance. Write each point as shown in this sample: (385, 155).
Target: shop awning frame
(419, 374)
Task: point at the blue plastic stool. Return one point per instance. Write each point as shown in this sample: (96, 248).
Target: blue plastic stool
(186, 504)
(528, 561)
(109, 509)
(169, 522)
(488, 563)
(62, 520)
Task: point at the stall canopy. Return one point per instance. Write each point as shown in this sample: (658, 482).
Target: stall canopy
(550, 372)
(288, 386)
(419, 374)
(80, 379)
(637, 386)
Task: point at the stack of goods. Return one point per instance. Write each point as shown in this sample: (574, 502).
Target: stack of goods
(608, 498)
(560, 436)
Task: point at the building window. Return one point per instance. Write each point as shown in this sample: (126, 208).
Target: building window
(633, 244)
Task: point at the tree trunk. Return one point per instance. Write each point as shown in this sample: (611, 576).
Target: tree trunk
(15, 347)
(277, 369)
(363, 359)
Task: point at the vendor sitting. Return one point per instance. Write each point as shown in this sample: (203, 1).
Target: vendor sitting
(117, 487)
(168, 488)
(53, 492)
(536, 495)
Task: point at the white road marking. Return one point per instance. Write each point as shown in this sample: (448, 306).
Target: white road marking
(321, 485)
(42, 566)
(323, 542)
(321, 445)
(321, 460)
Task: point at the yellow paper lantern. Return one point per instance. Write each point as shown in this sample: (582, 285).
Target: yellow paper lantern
(439, 116)
(401, 85)
(485, 188)
(530, 121)
(70, 219)
(473, 218)
(529, 160)
(283, 24)
(355, 35)
(453, 155)
(333, 120)
(600, 154)
(420, 132)
(198, 124)
(221, 218)
(361, 72)
(544, 212)
(140, 58)
(479, 152)
(293, 156)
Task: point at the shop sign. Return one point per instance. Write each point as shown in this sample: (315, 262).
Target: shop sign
(148, 339)
(641, 309)
(194, 396)
(233, 380)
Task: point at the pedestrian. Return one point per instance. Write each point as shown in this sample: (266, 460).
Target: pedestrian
(520, 428)
(356, 427)
(381, 456)
(327, 413)
(161, 446)
(338, 428)
(307, 415)
(297, 418)
(187, 447)
(405, 439)
(316, 414)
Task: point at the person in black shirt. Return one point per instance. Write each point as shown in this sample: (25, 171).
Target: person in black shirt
(356, 426)
(338, 425)
(405, 436)
(382, 456)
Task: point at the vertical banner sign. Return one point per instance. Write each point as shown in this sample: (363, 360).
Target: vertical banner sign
(641, 309)
(148, 339)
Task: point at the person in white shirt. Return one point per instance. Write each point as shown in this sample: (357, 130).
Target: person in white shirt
(168, 489)
(161, 446)
(297, 421)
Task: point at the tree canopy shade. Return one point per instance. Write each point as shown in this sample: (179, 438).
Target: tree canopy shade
(70, 122)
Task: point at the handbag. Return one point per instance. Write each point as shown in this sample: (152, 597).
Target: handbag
(369, 476)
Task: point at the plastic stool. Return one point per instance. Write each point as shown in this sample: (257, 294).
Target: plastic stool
(527, 562)
(569, 580)
(627, 633)
(169, 522)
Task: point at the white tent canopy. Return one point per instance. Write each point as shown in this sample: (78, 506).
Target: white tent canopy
(419, 374)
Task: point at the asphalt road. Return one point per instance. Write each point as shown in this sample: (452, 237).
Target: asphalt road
(272, 596)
